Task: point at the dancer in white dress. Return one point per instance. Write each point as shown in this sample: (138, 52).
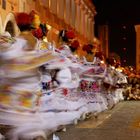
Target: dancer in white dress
(20, 81)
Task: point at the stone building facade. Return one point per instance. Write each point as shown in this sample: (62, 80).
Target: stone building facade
(59, 14)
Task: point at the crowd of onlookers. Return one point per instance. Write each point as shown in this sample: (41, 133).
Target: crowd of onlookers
(132, 91)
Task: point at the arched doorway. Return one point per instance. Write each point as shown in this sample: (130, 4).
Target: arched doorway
(10, 25)
(10, 28)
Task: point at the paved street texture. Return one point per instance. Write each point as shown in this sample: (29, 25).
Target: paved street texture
(120, 123)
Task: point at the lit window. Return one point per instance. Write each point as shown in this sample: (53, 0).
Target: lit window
(124, 27)
(124, 49)
(124, 61)
(124, 38)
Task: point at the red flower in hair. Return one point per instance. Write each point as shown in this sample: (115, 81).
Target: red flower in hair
(23, 18)
(32, 14)
(87, 48)
(84, 47)
(38, 33)
(75, 44)
(99, 55)
(70, 34)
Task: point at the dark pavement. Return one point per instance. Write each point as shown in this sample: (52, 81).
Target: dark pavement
(120, 123)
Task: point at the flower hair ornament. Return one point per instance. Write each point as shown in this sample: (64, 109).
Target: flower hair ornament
(23, 21)
(66, 35)
(39, 29)
(74, 45)
(40, 32)
(88, 48)
(99, 55)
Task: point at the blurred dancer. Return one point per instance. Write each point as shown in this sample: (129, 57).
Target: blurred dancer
(20, 78)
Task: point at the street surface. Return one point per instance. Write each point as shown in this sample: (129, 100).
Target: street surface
(120, 123)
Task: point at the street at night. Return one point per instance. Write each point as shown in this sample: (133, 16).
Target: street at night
(69, 70)
(119, 123)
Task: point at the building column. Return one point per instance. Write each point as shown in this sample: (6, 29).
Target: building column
(137, 29)
(104, 38)
(1, 26)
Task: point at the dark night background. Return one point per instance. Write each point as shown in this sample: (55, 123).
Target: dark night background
(121, 16)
